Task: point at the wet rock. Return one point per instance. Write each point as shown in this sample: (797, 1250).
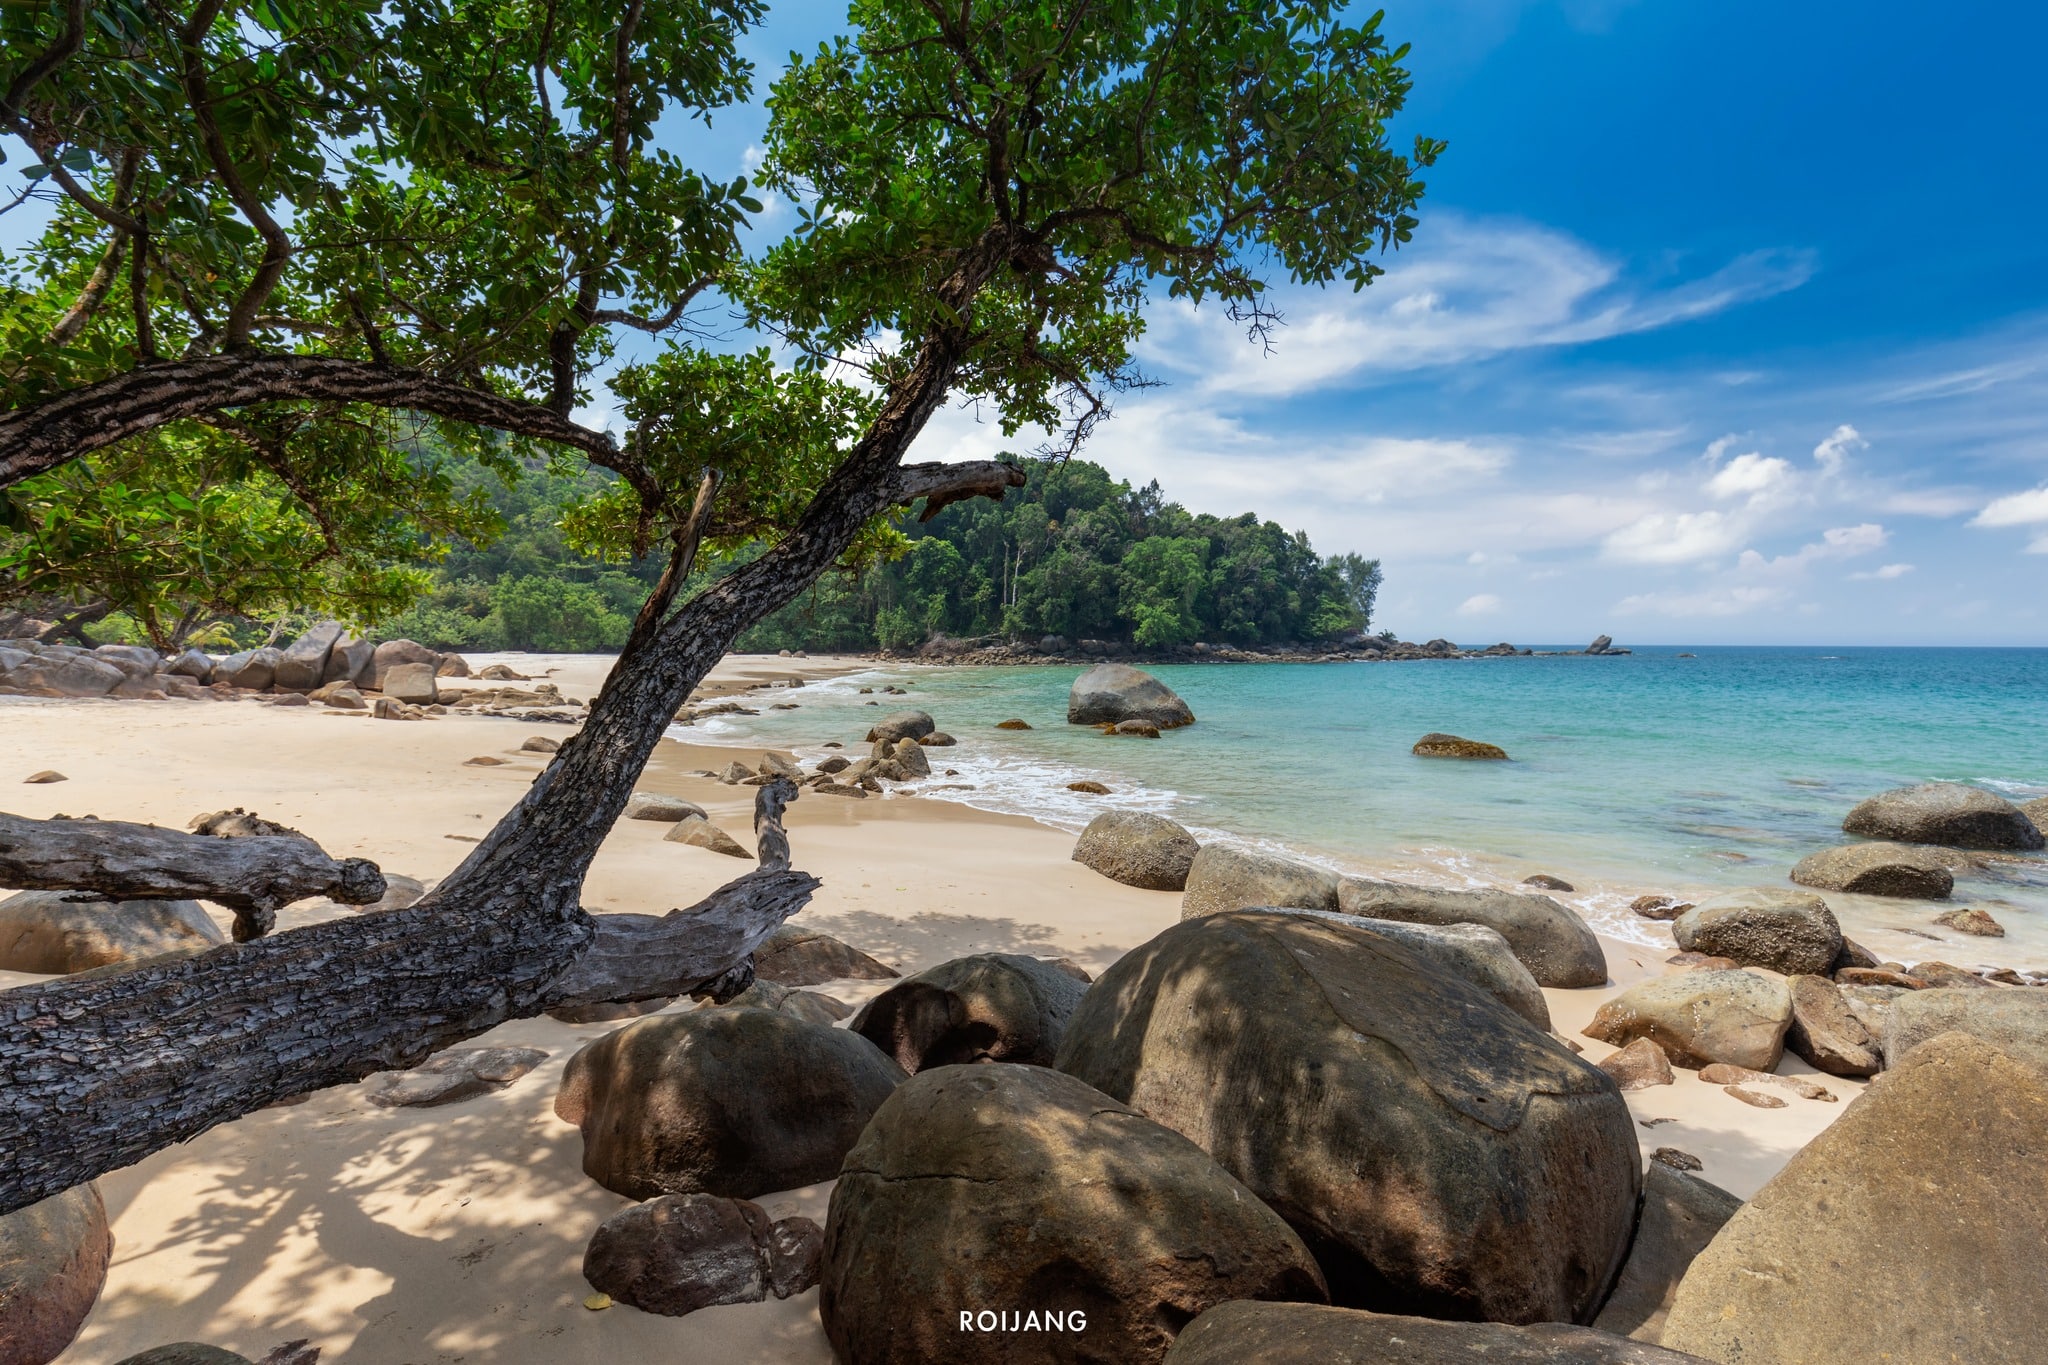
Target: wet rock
(1790, 932)
(736, 1102)
(1878, 976)
(1680, 1215)
(1877, 869)
(1701, 1017)
(1109, 693)
(1638, 1066)
(1224, 877)
(668, 809)
(902, 725)
(1092, 788)
(1436, 1151)
(1143, 729)
(460, 1073)
(53, 1264)
(2014, 1021)
(938, 739)
(681, 1252)
(1946, 974)
(1557, 946)
(1438, 745)
(794, 956)
(1243, 1333)
(1138, 849)
(1543, 881)
(699, 832)
(1659, 907)
(1972, 921)
(1912, 1225)
(1945, 813)
(1013, 724)
(1016, 1189)
(991, 1007)
(1826, 1033)
(46, 932)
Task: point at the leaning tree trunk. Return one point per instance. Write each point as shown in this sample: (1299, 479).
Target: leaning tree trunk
(98, 1073)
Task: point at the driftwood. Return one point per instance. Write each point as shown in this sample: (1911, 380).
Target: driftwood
(253, 876)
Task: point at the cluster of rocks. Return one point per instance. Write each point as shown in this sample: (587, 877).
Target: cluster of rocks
(1058, 649)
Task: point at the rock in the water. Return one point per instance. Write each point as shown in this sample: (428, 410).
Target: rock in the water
(908, 756)
(738, 1102)
(1877, 869)
(699, 832)
(412, 683)
(1680, 1215)
(1088, 785)
(1223, 877)
(53, 1263)
(793, 956)
(2014, 1021)
(1971, 920)
(1138, 849)
(1790, 932)
(44, 931)
(1013, 724)
(1557, 947)
(1543, 881)
(1109, 693)
(1911, 1227)
(304, 662)
(806, 1005)
(1005, 1190)
(1946, 813)
(1143, 729)
(1701, 1017)
(991, 1007)
(1659, 907)
(681, 1252)
(459, 1073)
(251, 668)
(1638, 1066)
(1826, 1033)
(1601, 644)
(393, 653)
(1244, 1333)
(1437, 1152)
(902, 725)
(1439, 745)
(668, 809)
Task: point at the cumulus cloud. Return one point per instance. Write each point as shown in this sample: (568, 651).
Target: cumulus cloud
(1728, 601)
(1885, 574)
(1833, 452)
(1840, 542)
(1675, 538)
(1751, 476)
(2015, 509)
(1481, 604)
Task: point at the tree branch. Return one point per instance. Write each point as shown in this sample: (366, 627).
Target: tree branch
(943, 484)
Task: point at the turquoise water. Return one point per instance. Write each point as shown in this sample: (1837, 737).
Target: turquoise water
(1646, 773)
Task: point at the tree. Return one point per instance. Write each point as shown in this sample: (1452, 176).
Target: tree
(1361, 582)
(997, 193)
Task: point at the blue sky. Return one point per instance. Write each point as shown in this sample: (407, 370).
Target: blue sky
(1723, 324)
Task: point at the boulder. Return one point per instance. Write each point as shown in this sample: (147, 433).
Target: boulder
(1946, 974)
(1946, 813)
(1638, 1066)
(980, 1194)
(738, 1102)
(195, 1353)
(1089, 786)
(236, 823)
(59, 675)
(1438, 745)
(459, 1073)
(412, 683)
(349, 661)
(1109, 693)
(1872, 1007)
(1790, 932)
(345, 698)
(991, 1007)
(1659, 907)
(794, 956)
(1601, 644)
(1549, 937)
(1245, 1333)
(1224, 877)
(302, 664)
(1826, 1033)
(195, 664)
(660, 807)
(44, 931)
(137, 661)
(540, 744)
(1909, 1230)
(452, 666)
(1138, 849)
(1543, 881)
(1877, 869)
(1973, 921)
(681, 1252)
(699, 832)
(1013, 724)
(807, 1005)
(2013, 1021)
(1471, 951)
(392, 653)
(2036, 810)
(502, 673)
(1702, 1017)
(250, 668)
(1143, 729)
(610, 1011)
(44, 778)
(1680, 1215)
(902, 725)
(909, 760)
(53, 1263)
(1439, 1153)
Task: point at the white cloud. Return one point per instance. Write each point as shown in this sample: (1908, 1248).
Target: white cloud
(1840, 542)
(2015, 509)
(1675, 538)
(1751, 476)
(1885, 574)
(1833, 452)
(1483, 604)
(1731, 601)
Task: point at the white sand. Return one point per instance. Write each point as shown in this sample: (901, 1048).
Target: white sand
(418, 1237)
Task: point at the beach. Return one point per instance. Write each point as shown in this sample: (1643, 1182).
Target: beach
(457, 1233)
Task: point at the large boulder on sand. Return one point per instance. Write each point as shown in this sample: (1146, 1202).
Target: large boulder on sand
(348, 661)
(44, 931)
(1908, 1231)
(1703, 1017)
(902, 725)
(303, 663)
(1557, 947)
(1109, 693)
(1471, 951)
(682, 1252)
(991, 1007)
(53, 1263)
(411, 683)
(392, 653)
(195, 664)
(1222, 877)
(1138, 849)
(983, 1193)
(1877, 869)
(1439, 1153)
(65, 675)
(795, 956)
(2014, 1021)
(738, 1102)
(1946, 813)
(1681, 1213)
(660, 807)
(1825, 1031)
(1790, 932)
(1243, 1333)
(251, 668)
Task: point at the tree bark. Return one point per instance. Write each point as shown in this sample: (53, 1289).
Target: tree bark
(116, 861)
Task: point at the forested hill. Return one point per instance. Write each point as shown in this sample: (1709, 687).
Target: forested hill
(1075, 553)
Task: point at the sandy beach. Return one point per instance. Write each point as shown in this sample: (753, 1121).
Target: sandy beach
(452, 1234)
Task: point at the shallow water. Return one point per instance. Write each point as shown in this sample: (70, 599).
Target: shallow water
(1645, 773)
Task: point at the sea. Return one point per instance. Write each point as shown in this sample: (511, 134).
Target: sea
(1676, 771)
